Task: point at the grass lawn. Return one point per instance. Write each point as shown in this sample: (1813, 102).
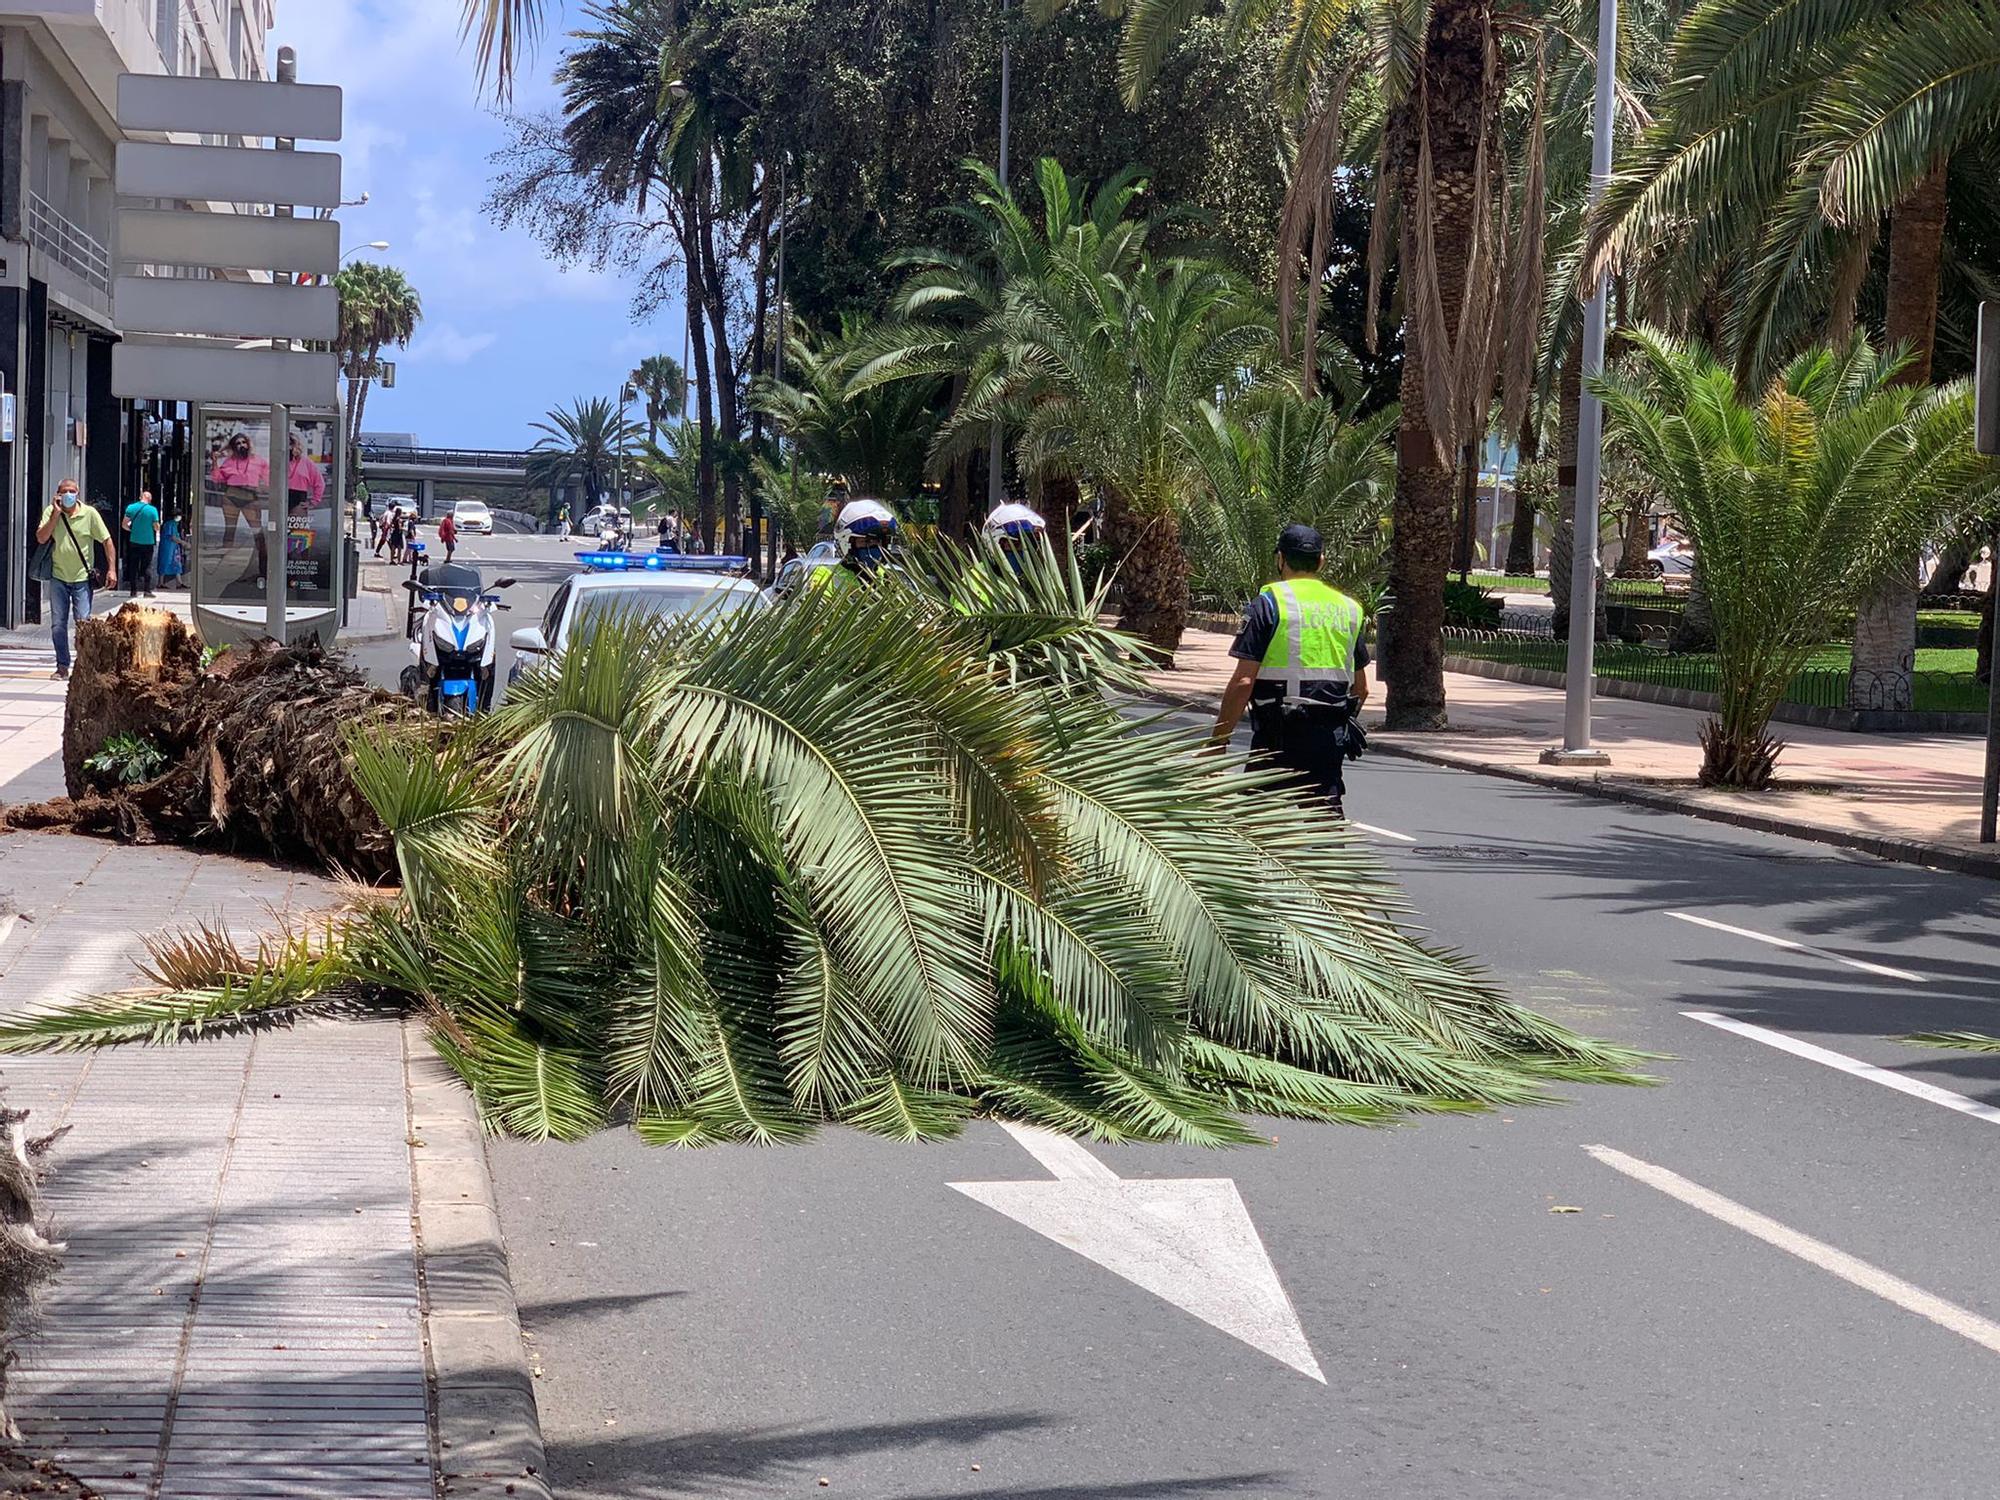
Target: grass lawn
(1945, 681)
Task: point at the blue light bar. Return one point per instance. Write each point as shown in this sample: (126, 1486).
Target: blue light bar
(659, 562)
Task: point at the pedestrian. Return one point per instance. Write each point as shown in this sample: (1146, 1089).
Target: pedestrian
(69, 527)
(394, 538)
(1302, 670)
(448, 534)
(142, 538)
(173, 554)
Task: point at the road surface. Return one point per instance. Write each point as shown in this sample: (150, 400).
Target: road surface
(1772, 1275)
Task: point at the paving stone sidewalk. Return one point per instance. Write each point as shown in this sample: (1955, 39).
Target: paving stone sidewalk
(1909, 797)
(239, 1315)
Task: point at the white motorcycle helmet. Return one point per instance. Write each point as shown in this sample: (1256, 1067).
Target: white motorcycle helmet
(864, 532)
(1013, 522)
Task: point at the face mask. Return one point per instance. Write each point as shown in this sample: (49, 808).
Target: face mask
(67, 499)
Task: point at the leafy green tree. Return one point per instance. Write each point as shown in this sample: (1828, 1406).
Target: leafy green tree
(1278, 458)
(796, 498)
(872, 858)
(1098, 360)
(580, 445)
(875, 438)
(1797, 500)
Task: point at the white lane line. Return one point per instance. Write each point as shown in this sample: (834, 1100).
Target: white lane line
(1779, 942)
(1065, 1159)
(1387, 833)
(1851, 1269)
(7, 926)
(1827, 1057)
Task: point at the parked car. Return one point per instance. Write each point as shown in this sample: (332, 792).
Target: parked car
(473, 518)
(640, 590)
(1673, 558)
(793, 575)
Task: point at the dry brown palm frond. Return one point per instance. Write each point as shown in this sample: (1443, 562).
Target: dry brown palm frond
(1528, 268)
(1386, 181)
(1309, 212)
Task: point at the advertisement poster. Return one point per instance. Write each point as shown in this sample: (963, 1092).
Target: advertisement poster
(309, 510)
(236, 491)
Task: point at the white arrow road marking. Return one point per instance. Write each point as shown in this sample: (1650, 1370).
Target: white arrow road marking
(1849, 1268)
(1187, 1240)
(1783, 942)
(1827, 1057)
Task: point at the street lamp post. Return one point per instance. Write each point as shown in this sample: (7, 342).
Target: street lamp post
(371, 245)
(995, 475)
(1578, 684)
(625, 394)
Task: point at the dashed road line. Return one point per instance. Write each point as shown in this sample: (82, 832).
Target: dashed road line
(1782, 942)
(1826, 1057)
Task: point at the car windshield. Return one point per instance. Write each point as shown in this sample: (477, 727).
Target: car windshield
(594, 605)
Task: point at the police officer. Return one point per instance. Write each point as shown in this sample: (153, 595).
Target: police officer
(864, 533)
(1302, 669)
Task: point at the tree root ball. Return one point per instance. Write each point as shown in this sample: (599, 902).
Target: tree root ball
(255, 746)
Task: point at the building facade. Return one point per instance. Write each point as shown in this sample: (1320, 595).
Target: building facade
(59, 67)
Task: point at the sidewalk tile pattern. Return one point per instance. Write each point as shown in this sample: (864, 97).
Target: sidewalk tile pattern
(239, 1313)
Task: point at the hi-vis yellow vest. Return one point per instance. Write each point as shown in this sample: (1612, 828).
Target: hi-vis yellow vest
(1314, 642)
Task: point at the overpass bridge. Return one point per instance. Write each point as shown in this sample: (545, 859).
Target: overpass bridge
(437, 477)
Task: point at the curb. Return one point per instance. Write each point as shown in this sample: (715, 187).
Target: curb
(487, 1432)
(1951, 857)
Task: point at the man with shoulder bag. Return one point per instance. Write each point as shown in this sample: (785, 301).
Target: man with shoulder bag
(1302, 671)
(62, 563)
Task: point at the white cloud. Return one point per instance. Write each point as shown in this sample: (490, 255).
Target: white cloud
(444, 344)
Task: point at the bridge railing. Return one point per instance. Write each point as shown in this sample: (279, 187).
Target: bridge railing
(443, 458)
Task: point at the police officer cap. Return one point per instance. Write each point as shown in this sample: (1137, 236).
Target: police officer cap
(1300, 541)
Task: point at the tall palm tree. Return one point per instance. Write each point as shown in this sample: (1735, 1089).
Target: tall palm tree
(1797, 498)
(1794, 132)
(582, 445)
(662, 384)
(378, 309)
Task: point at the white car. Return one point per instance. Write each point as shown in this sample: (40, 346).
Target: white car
(1673, 558)
(473, 518)
(638, 591)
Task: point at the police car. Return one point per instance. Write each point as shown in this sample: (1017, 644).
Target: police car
(632, 585)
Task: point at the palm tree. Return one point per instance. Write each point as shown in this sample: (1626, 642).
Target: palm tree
(662, 384)
(502, 31)
(378, 308)
(1797, 500)
(1101, 360)
(581, 445)
(1792, 132)
(871, 859)
(1278, 458)
(874, 438)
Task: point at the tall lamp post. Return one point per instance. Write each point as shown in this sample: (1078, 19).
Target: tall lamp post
(1578, 680)
(996, 479)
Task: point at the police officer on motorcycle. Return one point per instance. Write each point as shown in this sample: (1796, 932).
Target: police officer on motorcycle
(1302, 670)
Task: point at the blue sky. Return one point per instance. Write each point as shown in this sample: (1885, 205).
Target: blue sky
(506, 333)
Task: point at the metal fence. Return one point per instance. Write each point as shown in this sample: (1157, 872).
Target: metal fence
(67, 244)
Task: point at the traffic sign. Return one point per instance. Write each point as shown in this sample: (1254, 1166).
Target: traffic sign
(247, 309)
(194, 370)
(228, 242)
(228, 106)
(228, 174)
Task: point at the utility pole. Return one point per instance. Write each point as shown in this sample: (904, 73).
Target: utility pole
(277, 476)
(996, 487)
(1578, 679)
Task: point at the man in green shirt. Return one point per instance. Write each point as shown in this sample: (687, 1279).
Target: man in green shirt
(142, 536)
(70, 527)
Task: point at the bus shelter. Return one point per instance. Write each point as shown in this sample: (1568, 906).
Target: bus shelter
(268, 534)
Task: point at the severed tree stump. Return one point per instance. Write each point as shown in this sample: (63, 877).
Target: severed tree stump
(131, 668)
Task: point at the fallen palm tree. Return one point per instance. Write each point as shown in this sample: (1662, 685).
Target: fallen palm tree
(888, 858)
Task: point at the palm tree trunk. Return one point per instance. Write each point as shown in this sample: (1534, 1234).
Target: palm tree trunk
(1454, 97)
(1521, 534)
(1562, 537)
(729, 420)
(1153, 573)
(1957, 555)
(705, 416)
(1885, 623)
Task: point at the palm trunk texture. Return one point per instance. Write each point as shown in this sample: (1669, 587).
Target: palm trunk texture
(1454, 98)
(1885, 623)
(1153, 577)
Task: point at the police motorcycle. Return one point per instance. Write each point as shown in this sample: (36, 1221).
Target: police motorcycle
(451, 631)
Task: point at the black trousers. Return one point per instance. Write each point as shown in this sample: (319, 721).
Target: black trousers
(1305, 739)
(139, 566)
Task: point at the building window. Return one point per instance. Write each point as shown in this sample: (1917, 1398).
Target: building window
(167, 32)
